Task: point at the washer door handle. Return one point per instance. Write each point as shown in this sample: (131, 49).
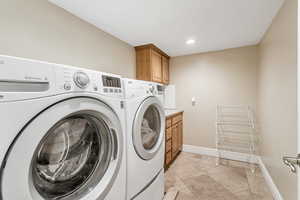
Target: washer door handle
(114, 144)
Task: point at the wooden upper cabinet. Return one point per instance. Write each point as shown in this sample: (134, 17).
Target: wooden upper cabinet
(152, 64)
(156, 67)
(165, 70)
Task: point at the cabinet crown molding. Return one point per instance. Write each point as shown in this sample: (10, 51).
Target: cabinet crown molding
(153, 47)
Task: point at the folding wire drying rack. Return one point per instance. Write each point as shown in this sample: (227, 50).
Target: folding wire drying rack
(236, 131)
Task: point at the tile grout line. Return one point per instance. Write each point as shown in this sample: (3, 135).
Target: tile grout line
(238, 157)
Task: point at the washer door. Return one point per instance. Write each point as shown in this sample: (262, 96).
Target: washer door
(149, 128)
(71, 151)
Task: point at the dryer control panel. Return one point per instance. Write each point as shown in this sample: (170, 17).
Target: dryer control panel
(138, 88)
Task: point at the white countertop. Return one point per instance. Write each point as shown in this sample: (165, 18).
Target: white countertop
(169, 112)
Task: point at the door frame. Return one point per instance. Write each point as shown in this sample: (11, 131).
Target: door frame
(298, 94)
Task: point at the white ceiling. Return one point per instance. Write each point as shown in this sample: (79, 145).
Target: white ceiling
(214, 24)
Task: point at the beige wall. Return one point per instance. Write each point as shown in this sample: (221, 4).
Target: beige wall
(224, 77)
(37, 29)
(277, 97)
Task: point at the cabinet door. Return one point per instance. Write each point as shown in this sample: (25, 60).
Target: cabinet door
(180, 135)
(168, 133)
(156, 67)
(143, 66)
(165, 70)
(168, 146)
(168, 158)
(174, 140)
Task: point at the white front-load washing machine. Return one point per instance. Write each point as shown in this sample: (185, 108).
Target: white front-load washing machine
(62, 133)
(145, 141)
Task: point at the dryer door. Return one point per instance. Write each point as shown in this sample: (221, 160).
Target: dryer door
(70, 151)
(149, 128)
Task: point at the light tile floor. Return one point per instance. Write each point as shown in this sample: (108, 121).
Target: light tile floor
(198, 178)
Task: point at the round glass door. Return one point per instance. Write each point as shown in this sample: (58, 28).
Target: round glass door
(148, 132)
(150, 128)
(71, 152)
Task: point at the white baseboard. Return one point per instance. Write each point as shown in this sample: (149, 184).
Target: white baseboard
(238, 157)
(199, 150)
(273, 188)
(224, 154)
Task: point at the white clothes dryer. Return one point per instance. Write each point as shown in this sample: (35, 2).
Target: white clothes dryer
(145, 141)
(62, 133)
(159, 92)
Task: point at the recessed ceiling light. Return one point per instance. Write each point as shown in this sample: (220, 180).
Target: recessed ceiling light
(191, 41)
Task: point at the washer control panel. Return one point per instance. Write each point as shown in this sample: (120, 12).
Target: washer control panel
(75, 79)
(38, 79)
(111, 85)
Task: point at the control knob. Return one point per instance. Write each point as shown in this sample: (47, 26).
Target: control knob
(152, 89)
(67, 86)
(81, 79)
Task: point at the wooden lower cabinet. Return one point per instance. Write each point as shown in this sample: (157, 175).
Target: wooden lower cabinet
(169, 146)
(168, 133)
(175, 147)
(180, 135)
(174, 137)
(168, 157)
